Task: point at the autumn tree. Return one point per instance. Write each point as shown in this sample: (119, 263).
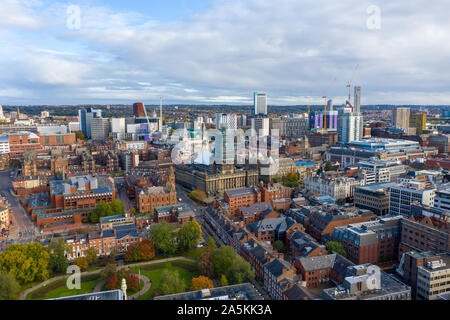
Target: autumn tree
(205, 264)
(108, 271)
(91, 255)
(26, 263)
(146, 250)
(201, 283)
(197, 195)
(170, 282)
(112, 283)
(9, 287)
(81, 262)
(189, 235)
(132, 254)
(164, 237)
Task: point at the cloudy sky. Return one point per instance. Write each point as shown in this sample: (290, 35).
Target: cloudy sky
(220, 51)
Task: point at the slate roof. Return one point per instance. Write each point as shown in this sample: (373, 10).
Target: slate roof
(276, 266)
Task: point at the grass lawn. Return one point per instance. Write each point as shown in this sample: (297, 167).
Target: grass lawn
(154, 272)
(59, 289)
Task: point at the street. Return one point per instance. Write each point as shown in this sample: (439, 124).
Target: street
(23, 229)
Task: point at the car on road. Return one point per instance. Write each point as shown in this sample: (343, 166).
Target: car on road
(179, 199)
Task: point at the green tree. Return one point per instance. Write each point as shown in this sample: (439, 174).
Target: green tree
(278, 245)
(91, 255)
(223, 259)
(108, 271)
(333, 246)
(211, 244)
(223, 281)
(170, 282)
(198, 195)
(328, 166)
(102, 209)
(58, 262)
(9, 287)
(27, 263)
(164, 237)
(117, 207)
(239, 271)
(189, 235)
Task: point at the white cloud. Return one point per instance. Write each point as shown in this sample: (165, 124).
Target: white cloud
(286, 48)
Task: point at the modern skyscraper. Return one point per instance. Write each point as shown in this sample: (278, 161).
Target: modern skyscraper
(357, 103)
(85, 116)
(350, 125)
(138, 109)
(226, 121)
(99, 128)
(418, 121)
(259, 103)
(400, 118)
(1, 113)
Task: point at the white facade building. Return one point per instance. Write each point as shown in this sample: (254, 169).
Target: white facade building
(337, 188)
(259, 103)
(401, 197)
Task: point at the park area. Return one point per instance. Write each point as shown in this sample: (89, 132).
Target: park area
(187, 270)
(153, 271)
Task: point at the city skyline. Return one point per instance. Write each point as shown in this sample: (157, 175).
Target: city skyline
(218, 52)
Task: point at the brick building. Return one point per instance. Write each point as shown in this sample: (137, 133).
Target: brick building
(240, 198)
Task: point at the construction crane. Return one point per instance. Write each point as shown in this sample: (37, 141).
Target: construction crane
(349, 85)
(325, 97)
(309, 107)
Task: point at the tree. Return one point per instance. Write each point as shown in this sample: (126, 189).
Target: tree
(189, 235)
(112, 283)
(328, 166)
(170, 282)
(335, 247)
(198, 195)
(146, 250)
(164, 237)
(91, 255)
(26, 263)
(201, 283)
(108, 271)
(223, 259)
(79, 135)
(278, 245)
(58, 262)
(132, 211)
(211, 244)
(102, 209)
(223, 281)
(81, 262)
(117, 207)
(132, 254)
(239, 271)
(291, 180)
(9, 287)
(205, 264)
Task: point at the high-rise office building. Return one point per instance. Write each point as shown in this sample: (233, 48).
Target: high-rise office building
(259, 103)
(1, 113)
(261, 125)
(357, 103)
(226, 121)
(138, 109)
(350, 125)
(99, 128)
(418, 121)
(86, 115)
(400, 118)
